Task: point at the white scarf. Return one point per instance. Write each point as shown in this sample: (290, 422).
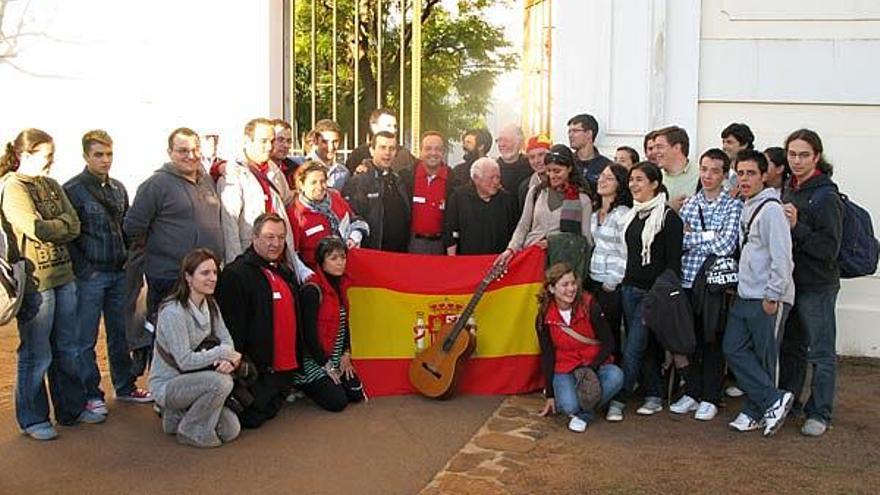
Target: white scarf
(653, 224)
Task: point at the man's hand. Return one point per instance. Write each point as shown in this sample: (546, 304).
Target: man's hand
(346, 366)
(791, 213)
(504, 257)
(770, 307)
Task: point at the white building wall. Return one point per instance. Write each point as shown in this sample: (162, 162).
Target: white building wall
(138, 70)
(787, 64)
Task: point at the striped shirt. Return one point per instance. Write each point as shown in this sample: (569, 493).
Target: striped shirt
(608, 264)
(719, 235)
(311, 371)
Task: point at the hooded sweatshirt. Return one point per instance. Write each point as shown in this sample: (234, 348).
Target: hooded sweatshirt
(766, 264)
(175, 215)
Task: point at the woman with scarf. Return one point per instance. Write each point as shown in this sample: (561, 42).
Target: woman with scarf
(653, 235)
(554, 208)
(575, 340)
(327, 375)
(319, 211)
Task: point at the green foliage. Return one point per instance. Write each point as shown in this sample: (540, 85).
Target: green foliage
(461, 57)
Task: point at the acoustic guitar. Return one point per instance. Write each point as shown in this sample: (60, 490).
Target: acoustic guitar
(434, 371)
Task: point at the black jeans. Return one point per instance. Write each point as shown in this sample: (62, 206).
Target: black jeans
(332, 396)
(613, 310)
(705, 373)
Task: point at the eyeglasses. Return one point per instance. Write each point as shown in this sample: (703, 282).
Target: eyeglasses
(272, 238)
(806, 155)
(186, 151)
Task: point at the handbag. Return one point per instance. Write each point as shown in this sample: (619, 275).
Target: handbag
(12, 275)
(721, 273)
(243, 377)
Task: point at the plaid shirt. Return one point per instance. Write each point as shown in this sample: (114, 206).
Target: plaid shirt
(719, 235)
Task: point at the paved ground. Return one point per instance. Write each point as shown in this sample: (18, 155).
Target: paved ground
(404, 445)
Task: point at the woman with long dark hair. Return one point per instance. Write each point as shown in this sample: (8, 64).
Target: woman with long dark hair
(38, 222)
(327, 375)
(559, 208)
(778, 170)
(653, 235)
(575, 341)
(608, 262)
(194, 358)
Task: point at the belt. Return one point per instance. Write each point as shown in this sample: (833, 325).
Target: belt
(429, 237)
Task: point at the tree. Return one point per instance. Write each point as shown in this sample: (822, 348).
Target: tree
(461, 57)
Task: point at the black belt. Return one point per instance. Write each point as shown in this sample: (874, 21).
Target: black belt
(429, 237)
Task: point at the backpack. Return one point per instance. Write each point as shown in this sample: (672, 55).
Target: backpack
(859, 249)
(12, 275)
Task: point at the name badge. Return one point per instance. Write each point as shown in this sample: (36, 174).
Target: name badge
(419, 199)
(373, 195)
(314, 230)
(276, 295)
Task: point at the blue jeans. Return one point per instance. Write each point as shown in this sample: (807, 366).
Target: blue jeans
(47, 331)
(751, 346)
(103, 292)
(610, 378)
(632, 299)
(812, 342)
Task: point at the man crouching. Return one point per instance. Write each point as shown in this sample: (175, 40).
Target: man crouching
(257, 296)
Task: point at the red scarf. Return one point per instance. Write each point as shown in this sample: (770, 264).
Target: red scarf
(261, 173)
(283, 323)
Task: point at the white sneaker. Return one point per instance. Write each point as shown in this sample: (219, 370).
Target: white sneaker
(775, 415)
(577, 425)
(651, 406)
(733, 391)
(706, 411)
(744, 422)
(615, 413)
(684, 405)
(97, 406)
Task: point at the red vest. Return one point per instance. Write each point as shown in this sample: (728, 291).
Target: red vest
(429, 201)
(569, 352)
(328, 311)
(309, 226)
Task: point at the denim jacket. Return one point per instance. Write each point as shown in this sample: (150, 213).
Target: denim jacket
(101, 244)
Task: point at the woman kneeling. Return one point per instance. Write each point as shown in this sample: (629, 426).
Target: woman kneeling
(194, 358)
(576, 346)
(327, 376)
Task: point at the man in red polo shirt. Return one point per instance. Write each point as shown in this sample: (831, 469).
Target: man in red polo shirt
(432, 185)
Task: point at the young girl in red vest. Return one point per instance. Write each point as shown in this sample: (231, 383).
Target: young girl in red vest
(576, 343)
(327, 375)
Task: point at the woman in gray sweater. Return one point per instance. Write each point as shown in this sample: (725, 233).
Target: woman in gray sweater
(190, 379)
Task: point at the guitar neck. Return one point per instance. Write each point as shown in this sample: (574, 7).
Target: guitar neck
(469, 309)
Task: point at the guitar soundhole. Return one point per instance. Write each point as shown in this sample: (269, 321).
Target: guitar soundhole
(431, 370)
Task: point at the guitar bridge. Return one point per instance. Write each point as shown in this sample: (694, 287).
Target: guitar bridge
(432, 371)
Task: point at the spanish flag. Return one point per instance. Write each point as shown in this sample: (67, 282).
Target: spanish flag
(389, 291)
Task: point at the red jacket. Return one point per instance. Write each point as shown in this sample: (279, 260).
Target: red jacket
(309, 226)
(561, 353)
(326, 326)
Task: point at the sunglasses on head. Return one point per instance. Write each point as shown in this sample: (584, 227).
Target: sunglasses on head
(556, 157)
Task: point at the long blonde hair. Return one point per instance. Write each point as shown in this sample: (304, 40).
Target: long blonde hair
(26, 142)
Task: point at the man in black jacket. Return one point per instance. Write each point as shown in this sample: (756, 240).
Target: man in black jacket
(382, 197)
(815, 213)
(257, 296)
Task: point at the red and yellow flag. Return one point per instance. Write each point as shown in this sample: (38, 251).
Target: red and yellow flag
(389, 290)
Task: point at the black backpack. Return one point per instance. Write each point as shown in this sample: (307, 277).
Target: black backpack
(859, 249)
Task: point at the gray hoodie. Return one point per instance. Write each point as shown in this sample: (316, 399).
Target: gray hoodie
(766, 263)
(175, 216)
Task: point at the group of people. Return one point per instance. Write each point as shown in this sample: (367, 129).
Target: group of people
(244, 262)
